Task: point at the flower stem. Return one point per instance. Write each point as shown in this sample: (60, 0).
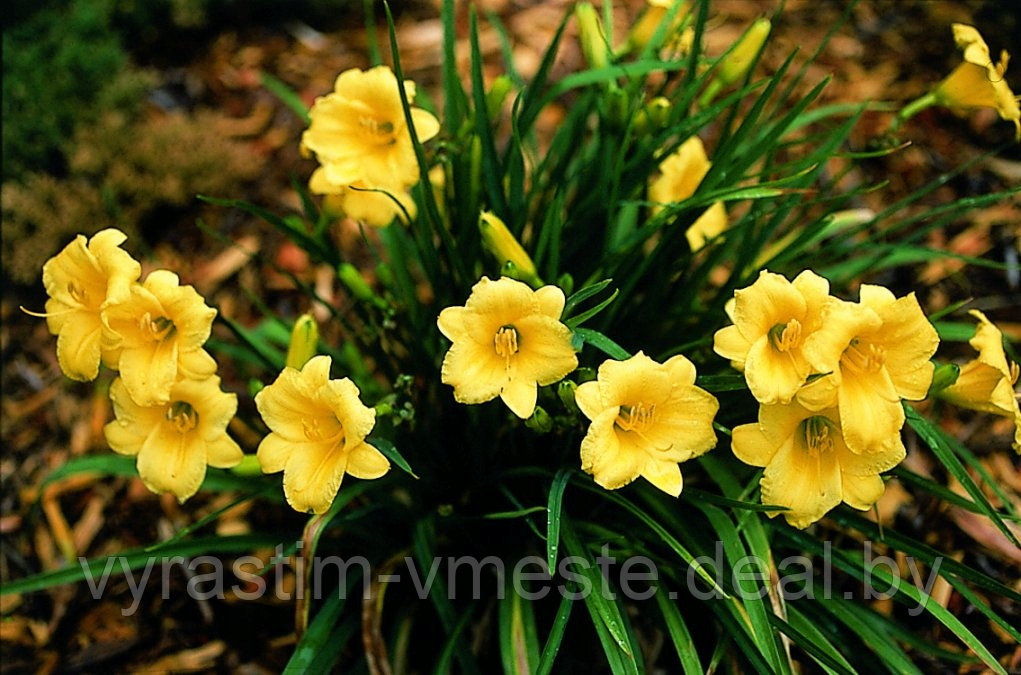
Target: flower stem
(912, 109)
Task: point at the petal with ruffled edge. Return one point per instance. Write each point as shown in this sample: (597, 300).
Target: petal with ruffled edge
(150, 371)
(842, 322)
(909, 341)
(602, 456)
(545, 354)
(589, 399)
(771, 300)
(78, 346)
(871, 415)
(312, 476)
(774, 376)
(365, 461)
(341, 396)
(171, 461)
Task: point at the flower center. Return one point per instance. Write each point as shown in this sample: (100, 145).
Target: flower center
(785, 336)
(863, 357)
(383, 130)
(77, 293)
(314, 432)
(506, 342)
(182, 416)
(818, 434)
(635, 418)
(158, 329)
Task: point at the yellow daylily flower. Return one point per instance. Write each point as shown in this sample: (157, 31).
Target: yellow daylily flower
(876, 352)
(317, 434)
(986, 384)
(376, 207)
(772, 318)
(809, 467)
(358, 131)
(157, 335)
(647, 417)
(679, 176)
(978, 82)
(175, 440)
(508, 340)
(81, 281)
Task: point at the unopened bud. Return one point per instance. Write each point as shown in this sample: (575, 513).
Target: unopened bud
(654, 116)
(355, 283)
(736, 64)
(499, 241)
(304, 342)
(540, 421)
(565, 391)
(944, 376)
(496, 95)
(648, 23)
(590, 33)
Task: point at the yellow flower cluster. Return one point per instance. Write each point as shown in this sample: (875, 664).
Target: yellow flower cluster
(170, 411)
(362, 142)
(829, 376)
(646, 417)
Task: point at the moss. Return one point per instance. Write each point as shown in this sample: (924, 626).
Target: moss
(125, 174)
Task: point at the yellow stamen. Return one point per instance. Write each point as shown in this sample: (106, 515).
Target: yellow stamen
(506, 342)
(182, 416)
(817, 434)
(785, 336)
(158, 329)
(635, 418)
(77, 293)
(863, 357)
(375, 127)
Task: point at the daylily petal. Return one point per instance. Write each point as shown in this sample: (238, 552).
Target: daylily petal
(273, 452)
(367, 462)
(769, 301)
(312, 476)
(545, 354)
(862, 492)
(729, 343)
(909, 341)
(751, 446)
(665, 475)
(550, 301)
(870, 412)
(148, 374)
(519, 393)
(78, 347)
(809, 485)
(774, 376)
(602, 455)
(173, 462)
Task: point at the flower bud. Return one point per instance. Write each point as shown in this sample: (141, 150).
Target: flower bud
(590, 33)
(648, 23)
(736, 64)
(944, 376)
(355, 283)
(540, 421)
(496, 95)
(499, 241)
(304, 341)
(654, 116)
(565, 391)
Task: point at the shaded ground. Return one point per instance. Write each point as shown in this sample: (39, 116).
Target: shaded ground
(889, 51)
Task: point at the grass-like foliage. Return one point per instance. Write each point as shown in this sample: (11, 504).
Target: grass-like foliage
(712, 579)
